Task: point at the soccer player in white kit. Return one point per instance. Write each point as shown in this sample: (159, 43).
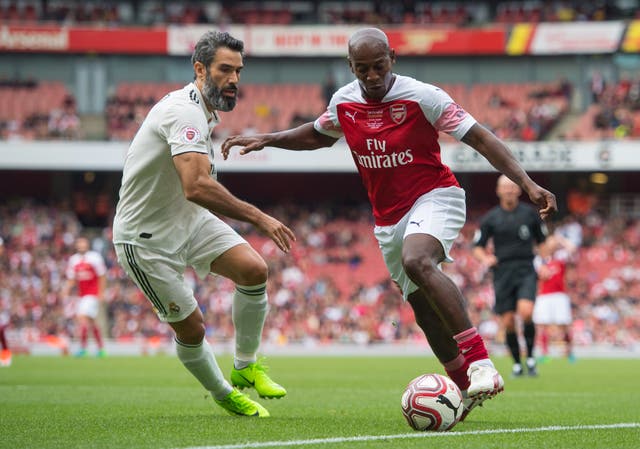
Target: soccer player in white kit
(87, 271)
(165, 222)
(391, 124)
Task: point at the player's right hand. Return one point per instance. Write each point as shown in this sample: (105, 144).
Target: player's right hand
(248, 144)
(276, 231)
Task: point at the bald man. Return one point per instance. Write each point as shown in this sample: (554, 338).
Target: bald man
(391, 124)
(515, 229)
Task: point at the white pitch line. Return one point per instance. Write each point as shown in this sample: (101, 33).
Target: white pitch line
(416, 435)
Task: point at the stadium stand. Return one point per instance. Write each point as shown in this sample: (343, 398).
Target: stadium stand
(615, 113)
(261, 107)
(37, 110)
(524, 111)
(440, 13)
(332, 288)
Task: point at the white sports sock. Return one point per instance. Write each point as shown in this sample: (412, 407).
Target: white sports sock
(484, 362)
(201, 362)
(249, 312)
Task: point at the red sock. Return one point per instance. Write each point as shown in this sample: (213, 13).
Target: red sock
(471, 345)
(83, 336)
(544, 342)
(3, 340)
(98, 335)
(457, 370)
(567, 341)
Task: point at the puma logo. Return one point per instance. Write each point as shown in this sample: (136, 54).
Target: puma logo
(417, 223)
(442, 399)
(351, 115)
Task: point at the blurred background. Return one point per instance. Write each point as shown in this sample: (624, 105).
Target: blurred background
(559, 80)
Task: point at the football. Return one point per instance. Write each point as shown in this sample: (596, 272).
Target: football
(432, 402)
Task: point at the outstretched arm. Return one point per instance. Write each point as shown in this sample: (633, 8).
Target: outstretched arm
(304, 137)
(199, 187)
(497, 153)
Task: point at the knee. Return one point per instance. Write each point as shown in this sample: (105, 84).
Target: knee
(508, 321)
(418, 267)
(254, 273)
(192, 334)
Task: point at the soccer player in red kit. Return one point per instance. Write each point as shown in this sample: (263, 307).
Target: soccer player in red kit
(391, 124)
(553, 304)
(5, 352)
(86, 269)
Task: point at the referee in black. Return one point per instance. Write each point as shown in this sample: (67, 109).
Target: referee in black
(515, 229)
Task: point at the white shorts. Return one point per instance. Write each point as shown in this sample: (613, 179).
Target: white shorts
(88, 305)
(440, 213)
(552, 308)
(161, 277)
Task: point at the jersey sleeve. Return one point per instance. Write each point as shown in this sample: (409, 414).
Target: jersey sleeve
(185, 129)
(443, 113)
(540, 231)
(97, 262)
(328, 123)
(71, 265)
(483, 234)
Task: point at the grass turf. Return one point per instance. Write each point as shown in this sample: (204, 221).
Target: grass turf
(153, 402)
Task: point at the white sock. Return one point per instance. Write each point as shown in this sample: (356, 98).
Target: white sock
(201, 362)
(249, 312)
(484, 362)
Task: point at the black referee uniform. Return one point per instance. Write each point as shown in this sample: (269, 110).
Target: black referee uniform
(514, 235)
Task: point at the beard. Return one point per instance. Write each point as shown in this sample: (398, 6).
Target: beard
(216, 99)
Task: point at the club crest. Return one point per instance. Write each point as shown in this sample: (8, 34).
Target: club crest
(189, 134)
(398, 113)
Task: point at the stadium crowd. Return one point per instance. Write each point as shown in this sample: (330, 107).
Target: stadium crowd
(619, 107)
(332, 287)
(442, 13)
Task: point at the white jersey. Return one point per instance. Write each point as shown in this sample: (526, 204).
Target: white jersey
(152, 211)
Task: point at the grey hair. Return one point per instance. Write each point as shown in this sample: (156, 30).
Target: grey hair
(207, 46)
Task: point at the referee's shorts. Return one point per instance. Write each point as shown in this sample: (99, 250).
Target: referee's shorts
(512, 281)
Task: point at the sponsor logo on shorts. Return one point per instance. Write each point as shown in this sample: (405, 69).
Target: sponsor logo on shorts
(174, 308)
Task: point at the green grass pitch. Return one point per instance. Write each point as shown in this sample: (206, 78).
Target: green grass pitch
(333, 402)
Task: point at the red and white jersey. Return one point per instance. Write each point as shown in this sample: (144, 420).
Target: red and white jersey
(394, 142)
(86, 269)
(552, 273)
